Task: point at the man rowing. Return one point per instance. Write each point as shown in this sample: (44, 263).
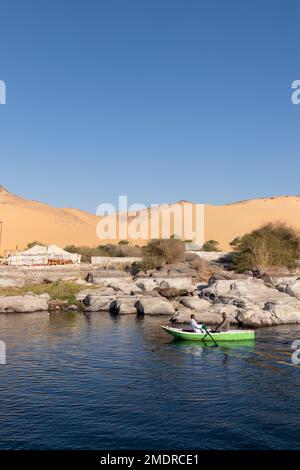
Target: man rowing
(196, 327)
(224, 325)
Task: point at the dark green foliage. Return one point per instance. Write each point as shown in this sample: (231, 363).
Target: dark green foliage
(159, 252)
(273, 245)
(211, 245)
(110, 250)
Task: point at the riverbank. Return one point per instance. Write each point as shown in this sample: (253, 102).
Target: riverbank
(176, 292)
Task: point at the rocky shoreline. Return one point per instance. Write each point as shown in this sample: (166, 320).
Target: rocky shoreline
(175, 292)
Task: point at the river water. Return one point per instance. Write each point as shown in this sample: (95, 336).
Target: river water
(95, 382)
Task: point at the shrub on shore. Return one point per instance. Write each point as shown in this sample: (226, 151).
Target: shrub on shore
(121, 250)
(211, 245)
(159, 252)
(274, 245)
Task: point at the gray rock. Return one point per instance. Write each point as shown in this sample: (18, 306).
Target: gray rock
(124, 305)
(101, 291)
(146, 284)
(177, 283)
(149, 305)
(45, 296)
(20, 304)
(293, 289)
(125, 287)
(97, 303)
(149, 293)
(194, 303)
(183, 315)
(211, 314)
(169, 292)
(256, 304)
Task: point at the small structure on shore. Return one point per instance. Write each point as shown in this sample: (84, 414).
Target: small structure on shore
(43, 256)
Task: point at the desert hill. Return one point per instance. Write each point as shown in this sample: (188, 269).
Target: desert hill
(24, 220)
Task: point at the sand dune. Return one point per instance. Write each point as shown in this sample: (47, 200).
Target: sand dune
(24, 220)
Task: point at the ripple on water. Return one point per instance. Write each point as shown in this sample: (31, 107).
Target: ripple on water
(92, 381)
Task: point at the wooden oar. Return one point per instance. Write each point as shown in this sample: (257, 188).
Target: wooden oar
(208, 333)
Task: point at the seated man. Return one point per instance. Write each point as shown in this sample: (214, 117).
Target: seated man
(224, 325)
(197, 328)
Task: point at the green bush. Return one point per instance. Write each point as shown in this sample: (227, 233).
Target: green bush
(273, 245)
(150, 262)
(211, 245)
(159, 252)
(110, 250)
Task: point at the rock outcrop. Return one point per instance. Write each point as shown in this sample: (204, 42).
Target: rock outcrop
(255, 304)
(23, 304)
(148, 305)
(124, 305)
(97, 302)
(194, 303)
(293, 289)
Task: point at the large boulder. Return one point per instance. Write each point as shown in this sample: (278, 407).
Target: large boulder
(217, 288)
(169, 292)
(124, 305)
(182, 270)
(146, 284)
(195, 303)
(256, 304)
(148, 305)
(177, 283)
(183, 315)
(293, 289)
(97, 303)
(254, 317)
(210, 315)
(148, 293)
(23, 304)
(125, 287)
(101, 291)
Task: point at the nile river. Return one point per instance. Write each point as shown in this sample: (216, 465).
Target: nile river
(95, 382)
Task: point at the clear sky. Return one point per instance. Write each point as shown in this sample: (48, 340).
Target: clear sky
(158, 99)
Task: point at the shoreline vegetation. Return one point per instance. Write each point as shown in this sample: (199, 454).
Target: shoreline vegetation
(58, 290)
(256, 285)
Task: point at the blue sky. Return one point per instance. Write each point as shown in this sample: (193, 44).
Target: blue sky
(158, 99)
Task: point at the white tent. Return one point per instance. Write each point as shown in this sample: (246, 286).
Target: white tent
(43, 255)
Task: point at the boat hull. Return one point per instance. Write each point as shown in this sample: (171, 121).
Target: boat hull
(232, 335)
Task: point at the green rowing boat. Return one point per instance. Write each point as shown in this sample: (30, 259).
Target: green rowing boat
(231, 335)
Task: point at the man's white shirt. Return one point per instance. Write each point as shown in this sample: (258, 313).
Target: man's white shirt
(197, 328)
